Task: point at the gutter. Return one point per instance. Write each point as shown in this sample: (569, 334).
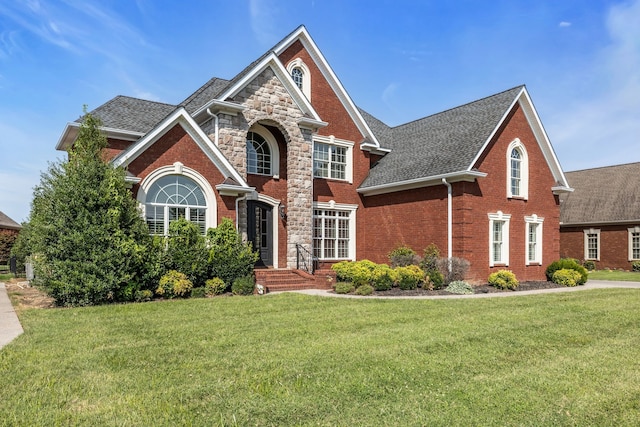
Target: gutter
(215, 124)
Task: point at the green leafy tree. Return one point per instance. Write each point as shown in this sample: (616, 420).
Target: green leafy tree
(85, 232)
(187, 252)
(7, 241)
(229, 257)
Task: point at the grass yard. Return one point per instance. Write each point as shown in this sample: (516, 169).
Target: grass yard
(615, 275)
(290, 359)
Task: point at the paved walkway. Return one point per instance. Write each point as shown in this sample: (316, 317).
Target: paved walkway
(10, 326)
(591, 284)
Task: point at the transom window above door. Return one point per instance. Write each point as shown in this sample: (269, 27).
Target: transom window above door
(172, 197)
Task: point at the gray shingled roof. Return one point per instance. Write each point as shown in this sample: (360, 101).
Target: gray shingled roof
(439, 144)
(607, 194)
(210, 90)
(6, 222)
(132, 114)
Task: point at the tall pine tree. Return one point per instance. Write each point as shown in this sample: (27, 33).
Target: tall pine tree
(85, 232)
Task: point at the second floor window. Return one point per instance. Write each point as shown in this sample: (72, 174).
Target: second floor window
(258, 154)
(298, 76)
(329, 161)
(516, 172)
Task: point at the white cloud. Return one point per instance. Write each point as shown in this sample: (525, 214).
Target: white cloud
(604, 129)
(564, 24)
(264, 21)
(389, 92)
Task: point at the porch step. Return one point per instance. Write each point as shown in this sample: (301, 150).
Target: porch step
(294, 280)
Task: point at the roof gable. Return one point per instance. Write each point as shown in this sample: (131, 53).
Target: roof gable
(602, 195)
(449, 144)
(181, 117)
(6, 222)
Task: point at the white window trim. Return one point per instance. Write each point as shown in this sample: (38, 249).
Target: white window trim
(533, 219)
(635, 229)
(524, 164)
(586, 243)
(332, 205)
(499, 216)
(332, 140)
(306, 75)
(178, 168)
(273, 147)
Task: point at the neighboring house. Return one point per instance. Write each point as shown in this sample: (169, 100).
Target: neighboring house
(9, 229)
(600, 220)
(283, 150)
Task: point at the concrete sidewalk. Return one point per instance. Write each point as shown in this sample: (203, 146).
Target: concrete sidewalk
(591, 284)
(10, 326)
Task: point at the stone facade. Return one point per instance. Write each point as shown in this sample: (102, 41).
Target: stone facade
(267, 102)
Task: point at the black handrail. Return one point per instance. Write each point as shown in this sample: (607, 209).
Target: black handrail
(305, 260)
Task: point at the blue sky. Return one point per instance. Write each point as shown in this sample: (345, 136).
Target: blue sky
(400, 60)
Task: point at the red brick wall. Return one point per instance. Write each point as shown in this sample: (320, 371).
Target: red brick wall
(115, 147)
(614, 245)
(177, 146)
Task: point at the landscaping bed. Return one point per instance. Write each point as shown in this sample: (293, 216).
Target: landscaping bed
(478, 289)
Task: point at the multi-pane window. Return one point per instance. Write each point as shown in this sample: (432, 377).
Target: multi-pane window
(297, 75)
(331, 235)
(173, 197)
(258, 154)
(634, 237)
(329, 161)
(592, 244)
(498, 242)
(516, 172)
(533, 239)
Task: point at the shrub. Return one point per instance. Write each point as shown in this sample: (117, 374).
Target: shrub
(635, 266)
(503, 279)
(229, 257)
(383, 277)
(143, 295)
(174, 284)
(344, 287)
(215, 286)
(459, 268)
(589, 265)
(364, 290)
(409, 277)
(434, 279)
(566, 277)
(430, 257)
(569, 263)
(459, 287)
(357, 272)
(197, 292)
(243, 285)
(186, 251)
(403, 256)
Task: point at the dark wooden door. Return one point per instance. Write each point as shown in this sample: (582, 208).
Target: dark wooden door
(260, 226)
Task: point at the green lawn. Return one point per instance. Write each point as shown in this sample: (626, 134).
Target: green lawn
(615, 275)
(290, 359)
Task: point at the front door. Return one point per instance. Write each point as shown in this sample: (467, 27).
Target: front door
(260, 226)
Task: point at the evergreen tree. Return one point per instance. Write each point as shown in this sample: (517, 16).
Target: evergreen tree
(85, 232)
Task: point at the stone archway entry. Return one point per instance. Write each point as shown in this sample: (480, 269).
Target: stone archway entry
(259, 231)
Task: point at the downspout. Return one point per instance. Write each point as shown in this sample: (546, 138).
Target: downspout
(215, 125)
(449, 223)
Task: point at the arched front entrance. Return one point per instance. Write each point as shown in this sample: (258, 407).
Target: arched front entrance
(260, 231)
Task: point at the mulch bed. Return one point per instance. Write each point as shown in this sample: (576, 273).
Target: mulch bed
(479, 289)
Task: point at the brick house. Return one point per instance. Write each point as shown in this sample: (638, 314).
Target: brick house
(9, 230)
(600, 220)
(283, 150)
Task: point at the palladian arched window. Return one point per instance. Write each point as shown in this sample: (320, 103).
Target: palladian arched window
(258, 154)
(172, 197)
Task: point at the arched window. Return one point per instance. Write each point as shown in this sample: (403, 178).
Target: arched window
(297, 76)
(172, 197)
(258, 154)
(517, 170)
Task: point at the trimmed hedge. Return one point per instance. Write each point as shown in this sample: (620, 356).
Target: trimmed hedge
(567, 263)
(566, 277)
(503, 279)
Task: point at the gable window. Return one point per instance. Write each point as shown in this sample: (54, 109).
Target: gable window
(297, 75)
(332, 158)
(533, 239)
(258, 154)
(334, 231)
(517, 171)
(592, 244)
(499, 239)
(301, 76)
(634, 243)
(172, 197)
